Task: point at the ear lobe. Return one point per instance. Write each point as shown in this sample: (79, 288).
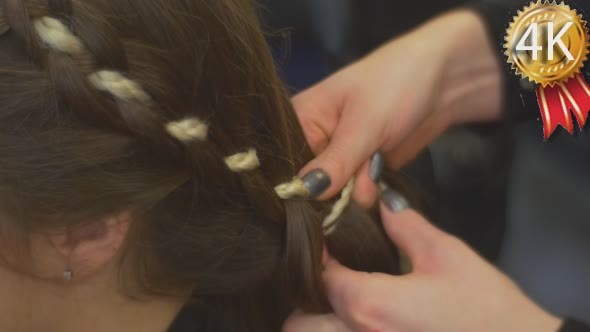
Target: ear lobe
(89, 247)
(88, 232)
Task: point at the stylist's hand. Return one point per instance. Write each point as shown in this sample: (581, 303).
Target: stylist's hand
(397, 100)
(451, 289)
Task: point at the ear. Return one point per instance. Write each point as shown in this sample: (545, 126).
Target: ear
(90, 247)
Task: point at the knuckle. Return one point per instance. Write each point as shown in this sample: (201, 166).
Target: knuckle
(290, 326)
(350, 291)
(333, 159)
(344, 291)
(320, 323)
(365, 312)
(294, 324)
(314, 134)
(362, 301)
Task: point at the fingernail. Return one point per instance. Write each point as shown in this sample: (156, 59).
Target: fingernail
(377, 165)
(394, 201)
(316, 182)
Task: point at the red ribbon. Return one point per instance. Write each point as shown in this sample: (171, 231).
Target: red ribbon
(559, 101)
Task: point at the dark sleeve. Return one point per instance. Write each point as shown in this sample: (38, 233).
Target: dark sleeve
(519, 103)
(571, 325)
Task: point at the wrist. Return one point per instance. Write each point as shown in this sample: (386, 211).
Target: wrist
(471, 77)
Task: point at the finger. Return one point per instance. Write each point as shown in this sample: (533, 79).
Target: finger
(354, 140)
(322, 96)
(365, 191)
(354, 296)
(339, 281)
(299, 322)
(412, 233)
(416, 142)
(318, 109)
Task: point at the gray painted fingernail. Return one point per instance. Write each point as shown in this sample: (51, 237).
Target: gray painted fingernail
(394, 201)
(376, 168)
(316, 182)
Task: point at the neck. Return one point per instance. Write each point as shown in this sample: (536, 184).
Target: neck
(28, 304)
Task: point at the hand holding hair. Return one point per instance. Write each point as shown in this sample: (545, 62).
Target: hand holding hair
(397, 100)
(450, 288)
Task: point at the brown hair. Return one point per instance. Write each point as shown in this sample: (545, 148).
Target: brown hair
(70, 153)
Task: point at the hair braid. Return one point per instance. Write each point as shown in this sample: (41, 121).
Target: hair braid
(101, 66)
(72, 67)
(57, 35)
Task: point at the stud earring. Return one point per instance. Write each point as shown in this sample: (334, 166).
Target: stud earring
(68, 275)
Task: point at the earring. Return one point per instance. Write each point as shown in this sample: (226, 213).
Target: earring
(68, 275)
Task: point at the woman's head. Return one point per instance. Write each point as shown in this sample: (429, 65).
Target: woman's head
(96, 162)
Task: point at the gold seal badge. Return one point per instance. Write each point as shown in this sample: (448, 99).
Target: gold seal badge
(547, 43)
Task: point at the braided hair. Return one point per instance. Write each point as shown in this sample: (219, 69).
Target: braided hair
(171, 109)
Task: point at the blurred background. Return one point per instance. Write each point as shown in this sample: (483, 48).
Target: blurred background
(518, 201)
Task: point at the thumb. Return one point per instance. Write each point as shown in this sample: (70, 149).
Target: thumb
(410, 231)
(356, 297)
(299, 322)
